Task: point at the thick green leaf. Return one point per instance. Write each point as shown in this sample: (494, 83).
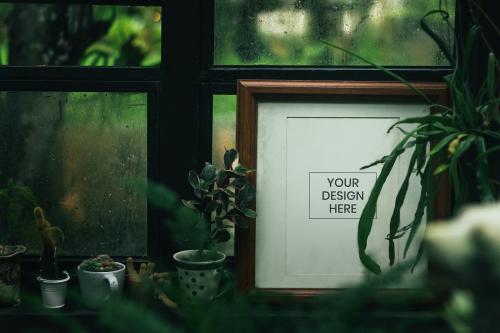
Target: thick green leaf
(250, 213)
(396, 213)
(209, 173)
(240, 221)
(213, 206)
(190, 204)
(194, 180)
(229, 157)
(221, 178)
(483, 182)
(221, 235)
(245, 195)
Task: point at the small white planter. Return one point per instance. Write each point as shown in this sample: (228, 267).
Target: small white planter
(200, 281)
(54, 291)
(99, 287)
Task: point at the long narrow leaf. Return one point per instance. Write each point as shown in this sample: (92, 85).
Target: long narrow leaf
(490, 133)
(490, 77)
(366, 219)
(425, 181)
(396, 214)
(457, 182)
(426, 120)
(483, 182)
(443, 143)
(386, 71)
(420, 252)
(469, 43)
(489, 151)
(439, 41)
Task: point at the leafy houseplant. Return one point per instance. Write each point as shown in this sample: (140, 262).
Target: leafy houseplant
(462, 139)
(14, 201)
(223, 198)
(52, 281)
(100, 279)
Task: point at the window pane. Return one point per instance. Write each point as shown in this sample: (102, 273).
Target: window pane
(88, 35)
(289, 32)
(224, 127)
(73, 150)
(223, 137)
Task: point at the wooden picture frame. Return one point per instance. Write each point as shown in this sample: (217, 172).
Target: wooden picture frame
(253, 94)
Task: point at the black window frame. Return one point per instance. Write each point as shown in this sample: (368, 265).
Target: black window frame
(180, 93)
(99, 79)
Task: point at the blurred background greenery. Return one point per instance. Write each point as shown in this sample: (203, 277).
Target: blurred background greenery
(289, 32)
(73, 150)
(87, 35)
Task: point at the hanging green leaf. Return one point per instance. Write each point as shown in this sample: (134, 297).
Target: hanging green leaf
(396, 214)
(366, 219)
(483, 183)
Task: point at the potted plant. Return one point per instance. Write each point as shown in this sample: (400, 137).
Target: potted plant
(464, 137)
(14, 201)
(100, 279)
(53, 282)
(10, 267)
(223, 199)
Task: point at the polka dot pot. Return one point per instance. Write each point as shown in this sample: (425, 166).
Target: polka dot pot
(199, 275)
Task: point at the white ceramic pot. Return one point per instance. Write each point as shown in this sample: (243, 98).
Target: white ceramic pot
(54, 291)
(98, 287)
(199, 280)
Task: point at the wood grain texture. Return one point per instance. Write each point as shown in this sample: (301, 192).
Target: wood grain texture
(249, 92)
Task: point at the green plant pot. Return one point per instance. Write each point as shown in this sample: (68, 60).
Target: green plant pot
(10, 269)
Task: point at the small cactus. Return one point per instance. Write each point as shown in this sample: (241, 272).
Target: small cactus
(52, 238)
(101, 263)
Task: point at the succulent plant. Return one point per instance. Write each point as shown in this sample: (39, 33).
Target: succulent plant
(223, 196)
(15, 201)
(52, 238)
(100, 263)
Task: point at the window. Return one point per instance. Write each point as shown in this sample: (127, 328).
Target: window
(74, 150)
(77, 34)
(291, 32)
(168, 70)
(282, 39)
(79, 105)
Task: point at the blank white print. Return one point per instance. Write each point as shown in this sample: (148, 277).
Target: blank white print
(297, 140)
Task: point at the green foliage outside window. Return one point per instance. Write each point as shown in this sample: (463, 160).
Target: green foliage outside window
(88, 35)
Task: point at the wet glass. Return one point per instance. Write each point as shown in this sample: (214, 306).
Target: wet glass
(290, 32)
(79, 35)
(224, 127)
(75, 151)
